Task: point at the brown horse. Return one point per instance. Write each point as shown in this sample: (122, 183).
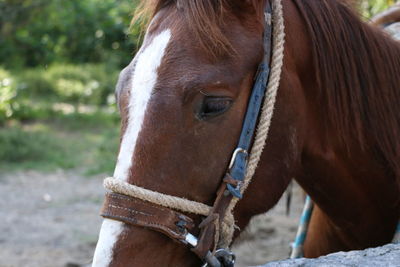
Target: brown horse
(336, 126)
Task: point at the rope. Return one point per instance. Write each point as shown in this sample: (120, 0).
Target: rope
(167, 201)
(297, 245)
(396, 238)
(267, 110)
(184, 205)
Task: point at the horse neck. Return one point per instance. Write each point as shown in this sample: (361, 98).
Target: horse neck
(347, 164)
(356, 195)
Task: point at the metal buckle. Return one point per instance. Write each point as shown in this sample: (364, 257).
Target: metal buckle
(221, 258)
(235, 191)
(234, 155)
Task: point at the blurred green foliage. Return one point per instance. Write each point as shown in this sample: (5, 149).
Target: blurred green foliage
(27, 146)
(370, 8)
(42, 32)
(43, 93)
(85, 141)
(59, 62)
(7, 94)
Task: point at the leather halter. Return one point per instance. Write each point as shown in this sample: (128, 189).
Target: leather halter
(178, 226)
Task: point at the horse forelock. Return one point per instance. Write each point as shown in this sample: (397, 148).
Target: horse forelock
(206, 19)
(358, 71)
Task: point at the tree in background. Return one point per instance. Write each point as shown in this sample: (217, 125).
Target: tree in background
(41, 32)
(370, 8)
(58, 51)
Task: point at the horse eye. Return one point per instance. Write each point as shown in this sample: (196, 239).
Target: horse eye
(214, 106)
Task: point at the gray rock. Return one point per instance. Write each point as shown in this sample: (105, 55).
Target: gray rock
(388, 256)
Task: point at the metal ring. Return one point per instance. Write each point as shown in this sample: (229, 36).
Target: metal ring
(227, 256)
(221, 258)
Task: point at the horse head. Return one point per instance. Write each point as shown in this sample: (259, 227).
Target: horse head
(183, 99)
(182, 102)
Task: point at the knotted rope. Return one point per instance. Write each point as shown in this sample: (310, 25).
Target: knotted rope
(184, 205)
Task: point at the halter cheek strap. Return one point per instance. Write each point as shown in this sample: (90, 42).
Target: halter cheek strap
(238, 165)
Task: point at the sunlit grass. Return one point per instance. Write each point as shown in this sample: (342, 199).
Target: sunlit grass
(76, 141)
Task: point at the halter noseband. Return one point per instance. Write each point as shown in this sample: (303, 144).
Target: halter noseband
(159, 212)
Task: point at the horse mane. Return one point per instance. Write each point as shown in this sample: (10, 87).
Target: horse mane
(357, 68)
(205, 19)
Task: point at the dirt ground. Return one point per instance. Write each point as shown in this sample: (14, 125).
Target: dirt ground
(51, 220)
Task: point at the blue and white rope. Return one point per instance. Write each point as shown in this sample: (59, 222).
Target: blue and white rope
(297, 245)
(396, 238)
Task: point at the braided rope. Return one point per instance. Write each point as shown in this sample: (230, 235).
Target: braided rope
(185, 205)
(167, 201)
(264, 124)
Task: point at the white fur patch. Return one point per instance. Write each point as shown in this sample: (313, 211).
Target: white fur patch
(144, 78)
(143, 81)
(109, 232)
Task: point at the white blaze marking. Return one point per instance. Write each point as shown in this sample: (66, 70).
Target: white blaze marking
(143, 81)
(109, 232)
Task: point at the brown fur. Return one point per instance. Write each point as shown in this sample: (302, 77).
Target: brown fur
(358, 78)
(206, 19)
